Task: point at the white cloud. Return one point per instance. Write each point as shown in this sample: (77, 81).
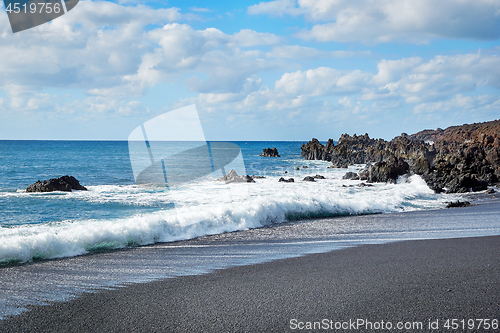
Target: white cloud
(441, 77)
(438, 85)
(247, 37)
(93, 49)
(322, 81)
(106, 51)
(460, 103)
(276, 8)
(387, 20)
(295, 52)
(303, 52)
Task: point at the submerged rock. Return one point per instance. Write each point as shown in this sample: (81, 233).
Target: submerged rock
(64, 183)
(364, 185)
(319, 177)
(308, 179)
(458, 203)
(270, 152)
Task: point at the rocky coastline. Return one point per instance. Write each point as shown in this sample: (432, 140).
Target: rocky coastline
(458, 159)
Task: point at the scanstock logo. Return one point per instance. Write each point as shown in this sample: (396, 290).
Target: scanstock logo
(28, 14)
(171, 149)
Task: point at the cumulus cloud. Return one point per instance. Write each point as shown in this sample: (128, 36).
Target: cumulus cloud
(386, 20)
(423, 87)
(95, 49)
(106, 51)
(247, 37)
(460, 103)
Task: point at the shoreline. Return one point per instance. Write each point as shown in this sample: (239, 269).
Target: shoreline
(209, 255)
(475, 198)
(401, 281)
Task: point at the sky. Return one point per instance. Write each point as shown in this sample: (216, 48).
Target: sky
(271, 70)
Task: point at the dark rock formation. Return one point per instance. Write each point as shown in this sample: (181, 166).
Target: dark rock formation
(290, 180)
(458, 159)
(364, 174)
(389, 170)
(458, 203)
(319, 177)
(486, 134)
(64, 183)
(351, 175)
(270, 152)
(364, 185)
(232, 177)
(309, 179)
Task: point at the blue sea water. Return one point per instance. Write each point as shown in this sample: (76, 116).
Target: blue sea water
(116, 213)
(93, 163)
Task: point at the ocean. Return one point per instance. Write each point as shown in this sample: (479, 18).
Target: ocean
(56, 246)
(117, 213)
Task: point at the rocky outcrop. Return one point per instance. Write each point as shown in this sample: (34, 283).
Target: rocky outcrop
(290, 180)
(319, 177)
(389, 170)
(457, 204)
(270, 152)
(314, 150)
(232, 177)
(308, 179)
(351, 175)
(64, 183)
(485, 134)
(457, 159)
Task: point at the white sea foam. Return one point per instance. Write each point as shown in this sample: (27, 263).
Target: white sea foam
(204, 209)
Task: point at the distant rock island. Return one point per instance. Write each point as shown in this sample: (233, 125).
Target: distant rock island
(64, 183)
(457, 159)
(270, 152)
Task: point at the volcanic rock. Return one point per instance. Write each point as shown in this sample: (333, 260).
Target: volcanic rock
(457, 159)
(290, 180)
(389, 170)
(351, 175)
(270, 152)
(64, 183)
(458, 203)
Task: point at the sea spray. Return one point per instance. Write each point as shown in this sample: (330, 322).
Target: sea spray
(204, 209)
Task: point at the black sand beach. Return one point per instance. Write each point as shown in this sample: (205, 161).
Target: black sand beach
(411, 281)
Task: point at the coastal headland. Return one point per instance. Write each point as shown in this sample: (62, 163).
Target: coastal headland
(458, 159)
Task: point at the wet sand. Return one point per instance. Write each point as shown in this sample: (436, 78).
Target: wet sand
(410, 281)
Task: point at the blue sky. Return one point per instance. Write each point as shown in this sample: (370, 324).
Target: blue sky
(271, 70)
